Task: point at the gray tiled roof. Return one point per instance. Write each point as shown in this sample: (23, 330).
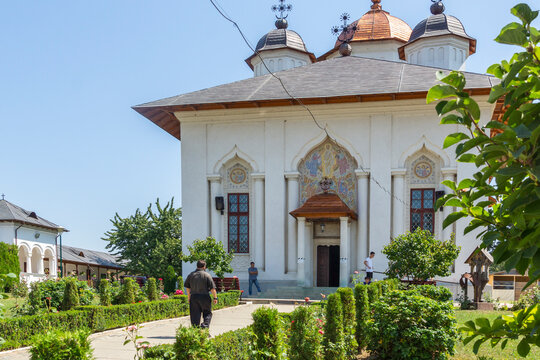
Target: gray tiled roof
(14, 213)
(91, 257)
(342, 76)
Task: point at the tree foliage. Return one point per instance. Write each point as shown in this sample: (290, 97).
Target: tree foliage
(148, 242)
(9, 263)
(419, 256)
(212, 251)
(503, 197)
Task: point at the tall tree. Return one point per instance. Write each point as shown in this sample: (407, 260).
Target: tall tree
(502, 200)
(147, 243)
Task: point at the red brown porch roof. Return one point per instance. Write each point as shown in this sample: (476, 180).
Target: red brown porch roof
(324, 206)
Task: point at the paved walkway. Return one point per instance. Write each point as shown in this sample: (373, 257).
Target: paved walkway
(108, 344)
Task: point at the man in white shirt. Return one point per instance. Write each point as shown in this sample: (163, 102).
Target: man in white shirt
(369, 265)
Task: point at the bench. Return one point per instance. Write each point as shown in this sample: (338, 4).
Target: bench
(226, 284)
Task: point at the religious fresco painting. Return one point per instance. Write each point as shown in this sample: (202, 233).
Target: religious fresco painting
(331, 161)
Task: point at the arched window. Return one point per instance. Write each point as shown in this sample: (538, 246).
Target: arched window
(236, 185)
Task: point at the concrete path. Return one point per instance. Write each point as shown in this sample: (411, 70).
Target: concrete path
(108, 344)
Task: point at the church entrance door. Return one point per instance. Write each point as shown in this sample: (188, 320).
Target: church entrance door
(328, 266)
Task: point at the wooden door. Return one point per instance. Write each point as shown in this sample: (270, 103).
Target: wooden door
(323, 266)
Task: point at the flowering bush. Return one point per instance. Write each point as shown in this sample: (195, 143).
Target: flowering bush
(192, 344)
(179, 292)
(132, 336)
(407, 326)
(164, 296)
(528, 298)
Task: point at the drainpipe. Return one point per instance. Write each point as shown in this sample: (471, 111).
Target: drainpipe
(16, 241)
(60, 231)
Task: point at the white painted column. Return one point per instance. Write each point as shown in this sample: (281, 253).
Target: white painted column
(343, 251)
(258, 180)
(363, 219)
(29, 263)
(301, 260)
(292, 204)
(40, 264)
(215, 215)
(448, 174)
(398, 184)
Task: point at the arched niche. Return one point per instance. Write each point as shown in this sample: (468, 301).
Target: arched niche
(332, 161)
(24, 254)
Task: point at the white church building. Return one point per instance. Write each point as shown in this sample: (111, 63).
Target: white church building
(307, 195)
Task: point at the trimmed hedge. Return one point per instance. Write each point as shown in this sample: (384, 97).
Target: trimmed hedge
(61, 345)
(19, 331)
(9, 263)
(438, 293)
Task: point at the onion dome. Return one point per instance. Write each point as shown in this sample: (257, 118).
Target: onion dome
(439, 24)
(376, 24)
(281, 38)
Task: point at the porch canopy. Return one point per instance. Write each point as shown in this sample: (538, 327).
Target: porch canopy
(324, 206)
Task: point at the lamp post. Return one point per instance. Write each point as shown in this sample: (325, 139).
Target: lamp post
(60, 231)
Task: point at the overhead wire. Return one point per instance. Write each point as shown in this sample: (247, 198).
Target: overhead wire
(222, 12)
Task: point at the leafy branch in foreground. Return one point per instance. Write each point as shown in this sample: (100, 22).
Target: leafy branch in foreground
(503, 197)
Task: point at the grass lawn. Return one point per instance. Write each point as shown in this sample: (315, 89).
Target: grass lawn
(509, 353)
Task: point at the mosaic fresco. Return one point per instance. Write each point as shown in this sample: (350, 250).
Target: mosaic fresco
(331, 161)
(422, 171)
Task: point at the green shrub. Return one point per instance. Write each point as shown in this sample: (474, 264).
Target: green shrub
(529, 297)
(192, 343)
(362, 314)
(55, 290)
(105, 298)
(268, 333)
(407, 326)
(334, 348)
(305, 340)
(19, 290)
(71, 295)
(159, 352)
(349, 315)
(233, 345)
(151, 289)
(127, 292)
(9, 263)
(59, 345)
(180, 283)
(169, 280)
(19, 331)
(438, 293)
(373, 292)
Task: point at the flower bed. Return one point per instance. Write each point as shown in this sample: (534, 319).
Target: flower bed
(19, 331)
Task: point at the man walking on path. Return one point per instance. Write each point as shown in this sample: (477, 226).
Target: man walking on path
(253, 273)
(369, 265)
(197, 285)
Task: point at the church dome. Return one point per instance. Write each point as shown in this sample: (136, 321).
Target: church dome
(281, 38)
(439, 24)
(376, 24)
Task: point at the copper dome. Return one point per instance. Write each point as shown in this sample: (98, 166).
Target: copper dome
(377, 24)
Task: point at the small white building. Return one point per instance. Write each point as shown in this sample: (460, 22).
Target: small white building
(36, 239)
(253, 157)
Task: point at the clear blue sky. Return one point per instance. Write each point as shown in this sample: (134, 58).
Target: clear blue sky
(73, 150)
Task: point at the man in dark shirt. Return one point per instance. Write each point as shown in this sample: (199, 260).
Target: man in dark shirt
(197, 285)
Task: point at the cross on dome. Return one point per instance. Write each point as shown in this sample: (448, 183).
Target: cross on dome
(282, 8)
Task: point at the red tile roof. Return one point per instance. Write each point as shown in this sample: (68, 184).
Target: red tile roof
(324, 206)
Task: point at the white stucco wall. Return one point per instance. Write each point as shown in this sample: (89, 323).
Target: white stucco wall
(381, 136)
(447, 52)
(381, 49)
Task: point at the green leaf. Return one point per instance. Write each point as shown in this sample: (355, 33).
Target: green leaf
(523, 347)
(439, 92)
(473, 107)
(467, 158)
(465, 183)
(511, 171)
(496, 70)
(454, 79)
(453, 139)
(477, 344)
(524, 13)
(454, 202)
(452, 218)
(450, 184)
(522, 132)
(496, 92)
(451, 119)
(513, 34)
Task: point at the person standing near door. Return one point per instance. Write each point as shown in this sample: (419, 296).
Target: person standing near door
(253, 273)
(198, 284)
(369, 265)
